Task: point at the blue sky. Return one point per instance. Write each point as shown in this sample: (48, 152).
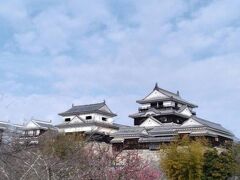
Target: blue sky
(55, 53)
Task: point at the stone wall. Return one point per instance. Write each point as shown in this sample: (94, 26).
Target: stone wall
(151, 156)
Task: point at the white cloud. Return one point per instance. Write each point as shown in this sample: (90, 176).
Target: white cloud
(93, 51)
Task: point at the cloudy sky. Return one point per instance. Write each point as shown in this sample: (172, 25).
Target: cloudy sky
(55, 53)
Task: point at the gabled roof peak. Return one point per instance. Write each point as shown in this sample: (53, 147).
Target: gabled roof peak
(164, 95)
(156, 86)
(166, 92)
(42, 121)
(178, 93)
(5, 122)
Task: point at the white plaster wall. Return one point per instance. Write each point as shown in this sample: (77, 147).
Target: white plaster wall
(30, 133)
(107, 130)
(71, 117)
(95, 116)
(145, 105)
(88, 129)
(168, 103)
(98, 117)
(79, 129)
(199, 131)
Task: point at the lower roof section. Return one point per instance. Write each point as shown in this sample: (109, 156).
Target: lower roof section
(89, 123)
(156, 139)
(166, 132)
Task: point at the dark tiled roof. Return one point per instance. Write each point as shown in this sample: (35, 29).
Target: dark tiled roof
(172, 129)
(87, 123)
(158, 112)
(4, 125)
(45, 125)
(211, 124)
(170, 96)
(131, 131)
(41, 125)
(166, 92)
(120, 125)
(163, 131)
(178, 99)
(84, 109)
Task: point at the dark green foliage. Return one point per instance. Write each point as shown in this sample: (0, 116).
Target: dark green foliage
(193, 159)
(183, 160)
(218, 165)
(236, 156)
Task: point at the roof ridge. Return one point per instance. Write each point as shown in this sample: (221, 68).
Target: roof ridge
(5, 122)
(20, 125)
(103, 103)
(167, 91)
(207, 120)
(42, 121)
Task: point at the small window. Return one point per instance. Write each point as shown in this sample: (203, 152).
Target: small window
(67, 119)
(88, 117)
(104, 119)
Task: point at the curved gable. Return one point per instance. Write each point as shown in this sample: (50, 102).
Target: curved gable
(186, 112)
(106, 109)
(150, 122)
(155, 94)
(76, 119)
(31, 124)
(191, 122)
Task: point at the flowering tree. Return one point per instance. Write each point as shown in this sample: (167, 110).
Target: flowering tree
(130, 165)
(96, 160)
(71, 157)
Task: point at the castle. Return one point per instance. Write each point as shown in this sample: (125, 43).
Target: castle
(161, 117)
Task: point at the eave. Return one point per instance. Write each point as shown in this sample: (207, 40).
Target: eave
(158, 113)
(87, 112)
(95, 123)
(143, 101)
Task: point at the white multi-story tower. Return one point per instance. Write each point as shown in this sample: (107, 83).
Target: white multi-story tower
(90, 119)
